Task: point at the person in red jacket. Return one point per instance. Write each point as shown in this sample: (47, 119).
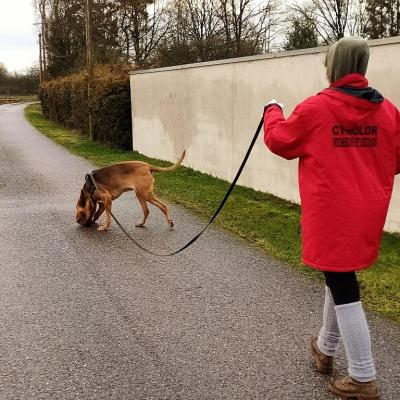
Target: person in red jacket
(347, 139)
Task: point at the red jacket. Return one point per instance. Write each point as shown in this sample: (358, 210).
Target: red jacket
(347, 139)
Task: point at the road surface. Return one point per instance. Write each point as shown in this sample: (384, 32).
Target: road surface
(85, 315)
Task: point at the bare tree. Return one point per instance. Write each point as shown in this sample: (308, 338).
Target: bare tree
(142, 25)
(194, 34)
(248, 25)
(202, 22)
(333, 19)
(358, 18)
(41, 7)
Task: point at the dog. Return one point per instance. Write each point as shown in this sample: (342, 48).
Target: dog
(114, 180)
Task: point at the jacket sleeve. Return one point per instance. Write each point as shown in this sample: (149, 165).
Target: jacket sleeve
(286, 138)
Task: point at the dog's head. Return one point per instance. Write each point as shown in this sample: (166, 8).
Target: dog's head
(85, 208)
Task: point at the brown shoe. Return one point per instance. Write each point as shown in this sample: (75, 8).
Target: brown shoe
(323, 362)
(348, 388)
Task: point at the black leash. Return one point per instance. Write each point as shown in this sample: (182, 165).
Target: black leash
(228, 193)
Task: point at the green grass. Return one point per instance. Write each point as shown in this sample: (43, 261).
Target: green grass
(262, 219)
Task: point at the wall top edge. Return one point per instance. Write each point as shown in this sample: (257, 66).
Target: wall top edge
(292, 53)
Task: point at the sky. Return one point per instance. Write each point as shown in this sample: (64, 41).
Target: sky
(18, 36)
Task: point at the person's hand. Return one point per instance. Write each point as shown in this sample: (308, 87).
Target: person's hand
(272, 103)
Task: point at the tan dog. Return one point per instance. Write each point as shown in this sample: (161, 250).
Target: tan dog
(114, 180)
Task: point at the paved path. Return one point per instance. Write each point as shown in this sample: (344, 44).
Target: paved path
(84, 315)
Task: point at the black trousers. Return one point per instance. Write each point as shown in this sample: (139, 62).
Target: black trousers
(344, 287)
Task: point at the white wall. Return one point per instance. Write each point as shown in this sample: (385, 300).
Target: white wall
(212, 110)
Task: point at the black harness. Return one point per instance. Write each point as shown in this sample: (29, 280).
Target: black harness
(89, 186)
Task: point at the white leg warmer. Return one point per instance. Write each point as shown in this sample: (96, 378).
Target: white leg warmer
(357, 341)
(329, 335)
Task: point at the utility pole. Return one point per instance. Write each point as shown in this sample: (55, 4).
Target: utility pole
(44, 54)
(40, 58)
(41, 52)
(89, 62)
(43, 23)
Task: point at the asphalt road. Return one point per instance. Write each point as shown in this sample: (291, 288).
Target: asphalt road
(85, 315)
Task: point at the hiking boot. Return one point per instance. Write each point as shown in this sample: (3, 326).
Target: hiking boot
(323, 362)
(348, 388)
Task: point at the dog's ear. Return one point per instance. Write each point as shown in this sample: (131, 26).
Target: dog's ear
(88, 208)
(85, 208)
(82, 199)
(80, 209)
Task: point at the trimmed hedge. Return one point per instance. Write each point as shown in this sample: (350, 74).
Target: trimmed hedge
(65, 101)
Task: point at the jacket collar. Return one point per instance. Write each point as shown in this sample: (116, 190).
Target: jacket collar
(351, 80)
(354, 86)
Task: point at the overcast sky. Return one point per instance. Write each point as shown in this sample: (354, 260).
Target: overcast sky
(18, 36)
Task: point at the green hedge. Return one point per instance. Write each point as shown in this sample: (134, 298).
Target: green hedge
(65, 101)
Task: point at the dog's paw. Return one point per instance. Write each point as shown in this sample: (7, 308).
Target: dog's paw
(140, 225)
(171, 223)
(102, 228)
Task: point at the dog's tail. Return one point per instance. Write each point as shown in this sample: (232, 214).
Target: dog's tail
(154, 168)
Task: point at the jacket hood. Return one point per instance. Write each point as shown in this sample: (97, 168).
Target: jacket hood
(351, 80)
(347, 56)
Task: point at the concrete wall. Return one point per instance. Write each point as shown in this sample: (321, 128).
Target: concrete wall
(212, 110)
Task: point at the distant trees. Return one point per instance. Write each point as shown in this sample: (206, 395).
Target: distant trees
(383, 18)
(204, 30)
(64, 37)
(3, 71)
(155, 32)
(247, 25)
(333, 19)
(167, 32)
(141, 25)
(22, 83)
(194, 34)
(302, 34)
(63, 31)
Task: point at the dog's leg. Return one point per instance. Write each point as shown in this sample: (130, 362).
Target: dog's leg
(146, 211)
(107, 201)
(153, 200)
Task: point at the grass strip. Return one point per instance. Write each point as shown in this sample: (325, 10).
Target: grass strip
(262, 219)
